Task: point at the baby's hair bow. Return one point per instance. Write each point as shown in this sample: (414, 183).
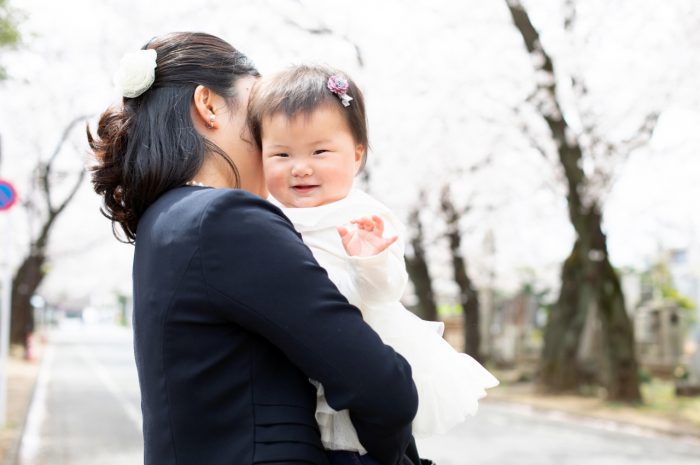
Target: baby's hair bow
(339, 86)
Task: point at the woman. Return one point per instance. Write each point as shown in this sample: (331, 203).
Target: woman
(232, 315)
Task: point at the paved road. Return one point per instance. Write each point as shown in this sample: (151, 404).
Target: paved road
(86, 411)
(502, 434)
(86, 404)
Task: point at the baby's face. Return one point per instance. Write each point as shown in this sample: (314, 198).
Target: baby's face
(309, 160)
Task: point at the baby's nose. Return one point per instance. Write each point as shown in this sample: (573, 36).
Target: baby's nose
(301, 169)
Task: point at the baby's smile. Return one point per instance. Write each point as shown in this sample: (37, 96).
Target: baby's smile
(304, 188)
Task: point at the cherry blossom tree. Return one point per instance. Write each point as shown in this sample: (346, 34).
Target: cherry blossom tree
(43, 206)
(588, 151)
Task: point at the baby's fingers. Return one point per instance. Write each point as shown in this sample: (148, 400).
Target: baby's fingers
(386, 244)
(345, 237)
(365, 224)
(378, 224)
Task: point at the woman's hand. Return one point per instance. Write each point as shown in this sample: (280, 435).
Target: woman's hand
(366, 240)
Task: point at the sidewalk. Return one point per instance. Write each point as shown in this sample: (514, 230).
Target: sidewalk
(672, 423)
(22, 376)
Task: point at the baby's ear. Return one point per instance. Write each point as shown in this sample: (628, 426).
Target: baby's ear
(359, 156)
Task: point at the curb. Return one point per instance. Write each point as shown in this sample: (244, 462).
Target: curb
(601, 421)
(14, 451)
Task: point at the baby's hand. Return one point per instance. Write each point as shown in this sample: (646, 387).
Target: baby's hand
(366, 240)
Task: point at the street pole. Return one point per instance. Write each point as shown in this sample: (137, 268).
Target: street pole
(5, 303)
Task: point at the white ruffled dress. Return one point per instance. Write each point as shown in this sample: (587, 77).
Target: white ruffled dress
(449, 383)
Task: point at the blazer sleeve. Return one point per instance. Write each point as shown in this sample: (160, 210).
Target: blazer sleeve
(253, 258)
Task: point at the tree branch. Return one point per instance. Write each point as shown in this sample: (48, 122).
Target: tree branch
(323, 30)
(71, 194)
(527, 132)
(641, 135)
(569, 15)
(45, 168)
(568, 147)
(64, 136)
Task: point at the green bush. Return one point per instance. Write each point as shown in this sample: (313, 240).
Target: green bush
(644, 376)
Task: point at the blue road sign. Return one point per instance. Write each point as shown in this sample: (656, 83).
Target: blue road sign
(8, 195)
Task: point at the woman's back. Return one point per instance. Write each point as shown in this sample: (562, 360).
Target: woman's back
(229, 308)
(206, 387)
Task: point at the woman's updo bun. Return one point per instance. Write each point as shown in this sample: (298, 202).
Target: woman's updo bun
(109, 149)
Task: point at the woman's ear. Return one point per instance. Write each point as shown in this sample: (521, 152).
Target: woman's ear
(359, 157)
(204, 107)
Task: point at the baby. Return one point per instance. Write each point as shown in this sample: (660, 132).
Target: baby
(310, 124)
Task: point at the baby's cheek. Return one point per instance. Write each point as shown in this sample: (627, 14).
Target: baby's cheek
(268, 171)
(274, 184)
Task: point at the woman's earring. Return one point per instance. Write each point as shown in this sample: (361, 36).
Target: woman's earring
(212, 117)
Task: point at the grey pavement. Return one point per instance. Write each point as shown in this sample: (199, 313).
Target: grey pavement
(502, 434)
(86, 403)
(86, 411)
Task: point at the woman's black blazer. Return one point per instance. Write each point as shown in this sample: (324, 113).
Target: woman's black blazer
(232, 316)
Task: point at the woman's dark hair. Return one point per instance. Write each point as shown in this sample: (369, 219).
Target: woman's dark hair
(299, 91)
(149, 144)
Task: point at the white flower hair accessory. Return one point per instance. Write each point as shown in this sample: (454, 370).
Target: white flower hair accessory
(136, 73)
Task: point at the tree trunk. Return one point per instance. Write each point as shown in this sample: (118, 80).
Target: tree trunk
(26, 281)
(417, 267)
(589, 283)
(469, 300)
(560, 369)
(588, 280)
(468, 296)
(620, 375)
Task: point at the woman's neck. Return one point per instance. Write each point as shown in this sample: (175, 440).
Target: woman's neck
(212, 174)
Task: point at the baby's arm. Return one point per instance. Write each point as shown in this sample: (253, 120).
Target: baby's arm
(377, 261)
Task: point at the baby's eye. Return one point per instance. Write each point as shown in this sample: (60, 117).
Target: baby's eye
(320, 151)
(283, 155)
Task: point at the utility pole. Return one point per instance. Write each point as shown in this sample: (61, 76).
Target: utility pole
(8, 197)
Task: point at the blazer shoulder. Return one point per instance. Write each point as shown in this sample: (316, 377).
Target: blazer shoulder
(238, 204)
(241, 213)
